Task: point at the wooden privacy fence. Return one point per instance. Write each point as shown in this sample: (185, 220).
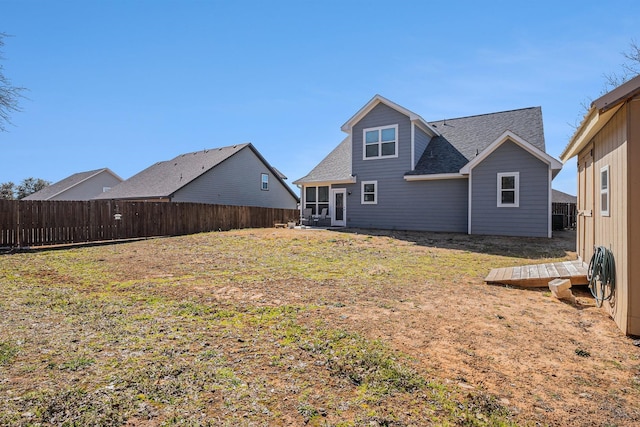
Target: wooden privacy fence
(42, 223)
(568, 212)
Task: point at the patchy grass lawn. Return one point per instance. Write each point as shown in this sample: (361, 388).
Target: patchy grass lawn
(293, 327)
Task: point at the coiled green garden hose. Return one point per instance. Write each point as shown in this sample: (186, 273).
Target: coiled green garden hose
(602, 275)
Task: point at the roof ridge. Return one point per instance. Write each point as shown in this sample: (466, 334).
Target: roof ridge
(206, 150)
(484, 114)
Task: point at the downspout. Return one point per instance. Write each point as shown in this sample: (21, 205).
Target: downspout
(302, 201)
(469, 203)
(413, 146)
(549, 205)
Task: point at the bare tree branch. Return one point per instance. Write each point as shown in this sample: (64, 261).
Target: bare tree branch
(9, 94)
(630, 68)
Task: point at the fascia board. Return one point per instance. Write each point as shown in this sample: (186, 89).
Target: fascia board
(64, 190)
(426, 127)
(434, 177)
(508, 135)
(593, 122)
(381, 99)
(115, 175)
(351, 180)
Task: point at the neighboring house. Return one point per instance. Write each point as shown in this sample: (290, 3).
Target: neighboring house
(485, 174)
(564, 210)
(79, 186)
(564, 198)
(235, 175)
(607, 146)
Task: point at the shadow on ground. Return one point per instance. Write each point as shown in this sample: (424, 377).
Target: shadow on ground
(562, 244)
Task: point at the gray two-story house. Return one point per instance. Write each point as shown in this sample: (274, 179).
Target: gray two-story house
(485, 174)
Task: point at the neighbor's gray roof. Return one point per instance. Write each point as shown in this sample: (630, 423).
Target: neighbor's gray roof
(165, 178)
(71, 181)
(463, 138)
(560, 197)
(335, 167)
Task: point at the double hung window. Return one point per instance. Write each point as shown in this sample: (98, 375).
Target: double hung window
(369, 192)
(509, 189)
(380, 142)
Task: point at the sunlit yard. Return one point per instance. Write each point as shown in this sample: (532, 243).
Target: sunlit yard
(293, 327)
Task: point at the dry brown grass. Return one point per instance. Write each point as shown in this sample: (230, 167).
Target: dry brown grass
(292, 327)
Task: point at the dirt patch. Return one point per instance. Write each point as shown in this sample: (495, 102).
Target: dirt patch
(502, 350)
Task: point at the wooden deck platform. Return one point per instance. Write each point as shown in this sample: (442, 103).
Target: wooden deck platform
(539, 275)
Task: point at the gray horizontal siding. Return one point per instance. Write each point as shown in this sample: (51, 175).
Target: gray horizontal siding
(402, 205)
(421, 142)
(395, 167)
(88, 189)
(236, 181)
(531, 218)
(419, 205)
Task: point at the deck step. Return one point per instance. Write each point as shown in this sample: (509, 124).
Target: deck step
(539, 275)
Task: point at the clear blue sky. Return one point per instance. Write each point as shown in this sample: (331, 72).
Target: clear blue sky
(124, 84)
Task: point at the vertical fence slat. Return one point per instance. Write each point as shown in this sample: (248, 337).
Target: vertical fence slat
(39, 223)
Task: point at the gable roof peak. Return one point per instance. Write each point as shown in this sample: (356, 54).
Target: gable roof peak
(509, 135)
(379, 99)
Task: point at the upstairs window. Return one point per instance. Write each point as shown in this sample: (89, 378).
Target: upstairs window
(264, 181)
(604, 191)
(380, 142)
(509, 190)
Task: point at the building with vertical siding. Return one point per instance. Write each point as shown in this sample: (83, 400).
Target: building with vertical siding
(607, 148)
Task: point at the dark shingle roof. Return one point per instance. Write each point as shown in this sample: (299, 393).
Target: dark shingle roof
(440, 157)
(165, 178)
(460, 140)
(463, 138)
(65, 184)
(335, 167)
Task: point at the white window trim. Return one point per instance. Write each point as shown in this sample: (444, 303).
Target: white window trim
(375, 193)
(516, 201)
(317, 202)
(262, 181)
(379, 129)
(605, 191)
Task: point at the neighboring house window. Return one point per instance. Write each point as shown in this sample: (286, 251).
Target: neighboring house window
(369, 192)
(264, 181)
(316, 198)
(509, 189)
(380, 142)
(604, 191)
(105, 189)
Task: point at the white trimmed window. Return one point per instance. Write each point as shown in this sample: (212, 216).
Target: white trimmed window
(316, 198)
(509, 190)
(369, 192)
(604, 191)
(380, 142)
(264, 181)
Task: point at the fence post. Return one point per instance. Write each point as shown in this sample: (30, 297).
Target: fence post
(18, 240)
